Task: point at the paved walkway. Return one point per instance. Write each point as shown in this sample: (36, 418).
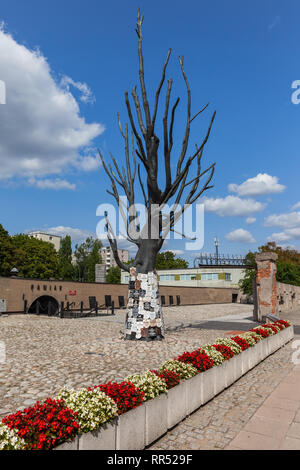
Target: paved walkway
(276, 424)
(44, 354)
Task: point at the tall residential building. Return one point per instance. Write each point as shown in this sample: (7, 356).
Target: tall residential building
(47, 237)
(108, 257)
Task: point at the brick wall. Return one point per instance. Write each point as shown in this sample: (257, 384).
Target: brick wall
(16, 291)
(288, 297)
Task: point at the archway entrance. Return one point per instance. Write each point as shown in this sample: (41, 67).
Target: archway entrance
(44, 305)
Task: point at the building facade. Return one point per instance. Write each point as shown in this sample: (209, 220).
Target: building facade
(47, 237)
(204, 276)
(108, 257)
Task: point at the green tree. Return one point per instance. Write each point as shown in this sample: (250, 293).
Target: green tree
(65, 267)
(87, 256)
(34, 258)
(167, 260)
(6, 252)
(249, 274)
(114, 275)
(288, 266)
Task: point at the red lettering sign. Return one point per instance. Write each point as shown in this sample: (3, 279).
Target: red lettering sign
(72, 292)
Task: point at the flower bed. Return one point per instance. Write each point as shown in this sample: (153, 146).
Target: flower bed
(94, 417)
(44, 425)
(125, 395)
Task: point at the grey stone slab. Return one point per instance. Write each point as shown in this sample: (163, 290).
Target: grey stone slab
(71, 445)
(194, 393)
(221, 376)
(208, 386)
(177, 404)
(156, 418)
(131, 426)
(103, 438)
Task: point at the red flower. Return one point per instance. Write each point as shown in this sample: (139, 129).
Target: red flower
(241, 342)
(125, 395)
(44, 426)
(198, 359)
(226, 351)
(261, 332)
(272, 327)
(283, 322)
(171, 378)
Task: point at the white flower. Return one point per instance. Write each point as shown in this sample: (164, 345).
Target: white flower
(149, 383)
(186, 371)
(94, 407)
(9, 439)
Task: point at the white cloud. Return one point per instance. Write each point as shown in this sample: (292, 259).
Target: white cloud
(275, 22)
(296, 206)
(241, 236)
(289, 220)
(86, 93)
(76, 234)
(250, 220)
(257, 186)
(232, 206)
(42, 131)
(55, 184)
(176, 252)
(286, 235)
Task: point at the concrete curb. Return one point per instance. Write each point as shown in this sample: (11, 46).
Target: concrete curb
(138, 428)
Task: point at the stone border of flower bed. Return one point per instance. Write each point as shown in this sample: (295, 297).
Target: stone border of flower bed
(139, 427)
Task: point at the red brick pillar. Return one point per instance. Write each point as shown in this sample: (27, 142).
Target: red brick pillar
(266, 285)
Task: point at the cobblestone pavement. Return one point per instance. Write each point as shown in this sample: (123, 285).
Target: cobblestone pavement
(217, 423)
(43, 354)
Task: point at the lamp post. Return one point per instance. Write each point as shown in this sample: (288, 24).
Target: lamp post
(217, 249)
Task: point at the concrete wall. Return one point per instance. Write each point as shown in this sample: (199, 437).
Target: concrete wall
(288, 297)
(16, 291)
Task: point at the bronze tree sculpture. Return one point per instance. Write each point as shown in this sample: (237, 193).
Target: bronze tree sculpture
(144, 319)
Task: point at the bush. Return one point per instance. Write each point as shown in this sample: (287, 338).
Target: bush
(93, 407)
(197, 359)
(226, 351)
(149, 383)
(186, 371)
(171, 378)
(9, 439)
(44, 425)
(125, 395)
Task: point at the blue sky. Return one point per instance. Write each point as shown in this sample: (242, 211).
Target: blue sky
(66, 66)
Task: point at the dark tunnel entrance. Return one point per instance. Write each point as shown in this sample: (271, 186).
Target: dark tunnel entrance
(44, 305)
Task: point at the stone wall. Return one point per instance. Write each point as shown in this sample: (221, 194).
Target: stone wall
(270, 296)
(18, 291)
(288, 297)
(266, 291)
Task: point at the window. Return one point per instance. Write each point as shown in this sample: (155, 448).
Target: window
(167, 277)
(227, 276)
(187, 277)
(209, 277)
(126, 278)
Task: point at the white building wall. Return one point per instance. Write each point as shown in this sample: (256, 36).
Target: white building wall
(197, 277)
(47, 237)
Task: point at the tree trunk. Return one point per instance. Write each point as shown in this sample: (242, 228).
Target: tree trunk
(144, 319)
